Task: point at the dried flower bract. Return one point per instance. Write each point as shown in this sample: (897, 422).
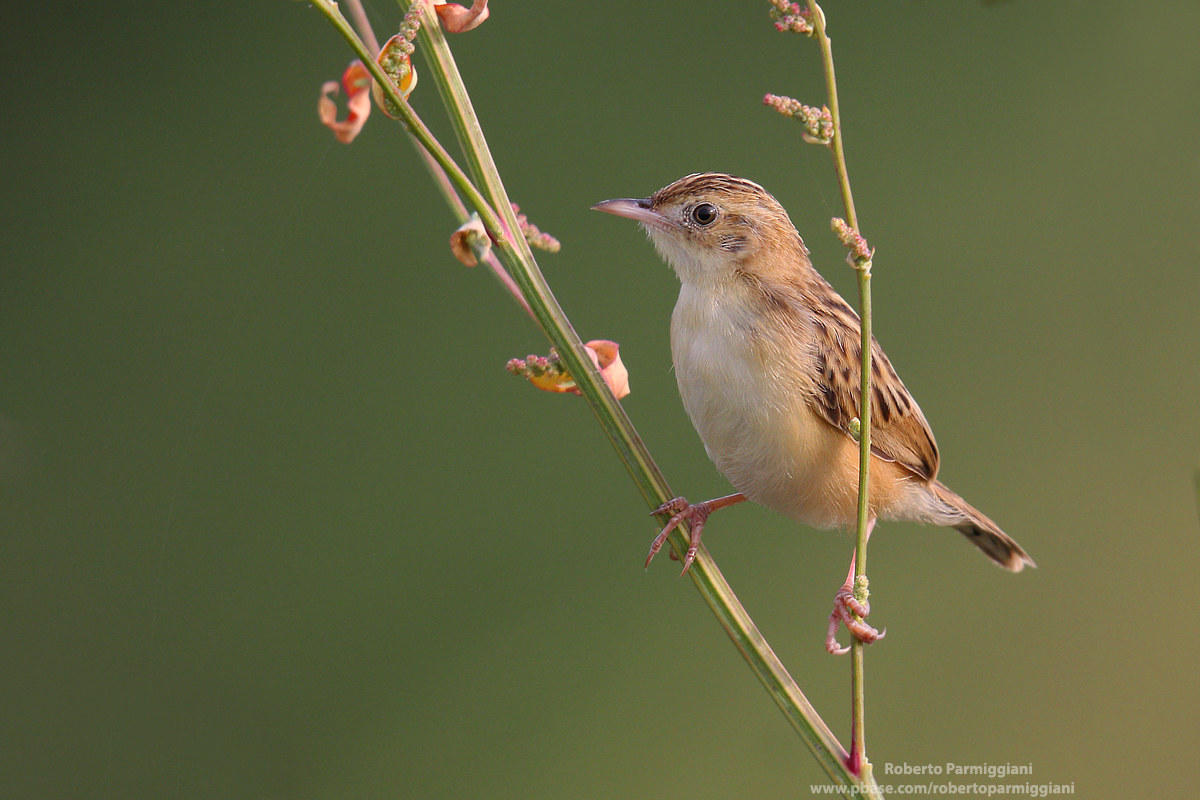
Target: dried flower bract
(469, 236)
(549, 374)
(357, 83)
(457, 19)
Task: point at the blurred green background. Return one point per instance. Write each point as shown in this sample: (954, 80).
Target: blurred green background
(277, 524)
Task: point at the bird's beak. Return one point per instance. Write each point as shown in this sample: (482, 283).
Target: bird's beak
(637, 210)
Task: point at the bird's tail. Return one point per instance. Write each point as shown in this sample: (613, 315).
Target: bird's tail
(981, 531)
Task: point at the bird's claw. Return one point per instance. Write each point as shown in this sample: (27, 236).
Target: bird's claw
(848, 611)
(672, 506)
(680, 510)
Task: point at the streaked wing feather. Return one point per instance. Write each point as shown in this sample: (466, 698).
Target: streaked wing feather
(899, 431)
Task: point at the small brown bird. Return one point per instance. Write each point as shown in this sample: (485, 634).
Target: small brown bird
(767, 356)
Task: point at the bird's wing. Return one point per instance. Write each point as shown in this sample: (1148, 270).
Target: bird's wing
(899, 431)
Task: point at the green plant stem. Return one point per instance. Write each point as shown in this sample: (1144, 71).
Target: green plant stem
(858, 718)
(517, 258)
(839, 154)
(858, 727)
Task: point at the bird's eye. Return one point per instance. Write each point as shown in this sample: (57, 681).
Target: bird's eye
(704, 214)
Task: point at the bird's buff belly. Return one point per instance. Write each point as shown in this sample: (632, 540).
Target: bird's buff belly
(756, 416)
(788, 459)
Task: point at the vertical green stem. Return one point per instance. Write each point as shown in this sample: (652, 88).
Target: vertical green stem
(858, 743)
(858, 727)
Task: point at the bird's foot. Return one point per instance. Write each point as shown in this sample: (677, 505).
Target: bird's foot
(851, 612)
(694, 514)
(681, 510)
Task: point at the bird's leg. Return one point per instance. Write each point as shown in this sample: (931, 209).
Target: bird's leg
(848, 611)
(695, 514)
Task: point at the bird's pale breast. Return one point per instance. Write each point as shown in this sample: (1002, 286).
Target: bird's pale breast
(751, 406)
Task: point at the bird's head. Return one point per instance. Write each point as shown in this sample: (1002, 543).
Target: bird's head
(710, 226)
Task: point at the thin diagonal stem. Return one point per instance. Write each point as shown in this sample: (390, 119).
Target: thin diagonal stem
(858, 742)
(363, 25)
